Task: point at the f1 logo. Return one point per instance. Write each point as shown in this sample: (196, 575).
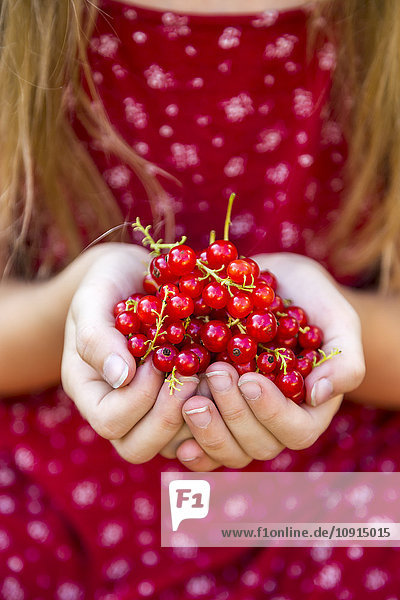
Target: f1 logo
(188, 499)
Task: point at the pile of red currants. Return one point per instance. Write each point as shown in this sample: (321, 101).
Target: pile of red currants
(217, 306)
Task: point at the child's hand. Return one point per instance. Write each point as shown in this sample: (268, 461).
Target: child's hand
(253, 420)
(131, 408)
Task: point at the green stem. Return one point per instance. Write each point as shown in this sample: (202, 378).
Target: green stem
(155, 246)
(227, 282)
(228, 216)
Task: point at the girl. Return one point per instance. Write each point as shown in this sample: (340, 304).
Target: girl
(165, 93)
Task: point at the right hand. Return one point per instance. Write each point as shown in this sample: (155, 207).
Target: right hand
(130, 407)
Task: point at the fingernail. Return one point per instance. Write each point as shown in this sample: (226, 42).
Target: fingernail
(200, 417)
(186, 378)
(115, 370)
(321, 392)
(220, 380)
(189, 459)
(250, 389)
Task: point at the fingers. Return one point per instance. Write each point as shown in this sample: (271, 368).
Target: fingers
(192, 456)
(342, 373)
(296, 427)
(159, 426)
(111, 413)
(253, 437)
(308, 284)
(97, 341)
(169, 450)
(210, 431)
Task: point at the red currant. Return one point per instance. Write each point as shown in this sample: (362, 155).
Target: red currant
(266, 362)
(290, 383)
(240, 271)
(247, 367)
(287, 328)
(164, 358)
(241, 348)
(263, 295)
(215, 295)
(269, 279)
(202, 354)
(192, 284)
(240, 305)
(287, 356)
(254, 266)
(162, 334)
(299, 314)
(175, 332)
(193, 330)
(180, 306)
(223, 357)
(303, 365)
(201, 309)
(261, 326)
(127, 322)
(277, 305)
(167, 290)
(149, 285)
(300, 397)
(215, 335)
(137, 345)
(147, 309)
(187, 363)
(311, 339)
(160, 270)
(181, 260)
(220, 253)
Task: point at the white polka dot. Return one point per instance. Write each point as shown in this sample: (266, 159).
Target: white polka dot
(328, 577)
(117, 568)
(130, 14)
(38, 530)
(197, 82)
(190, 51)
(98, 77)
(218, 141)
(146, 588)
(11, 589)
(375, 579)
(15, 564)
(203, 120)
(269, 80)
(69, 591)
(24, 459)
(110, 534)
(142, 148)
(166, 131)
(139, 37)
(150, 558)
(197, 178)
(85, 493)
(302, 137)
(234, 167)
(172, 110)
(230, 38)
(305, 160)
(225, 66)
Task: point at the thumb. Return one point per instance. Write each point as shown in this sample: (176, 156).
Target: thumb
(99, 343)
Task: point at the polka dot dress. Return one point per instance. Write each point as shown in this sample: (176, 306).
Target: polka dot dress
(224, 103)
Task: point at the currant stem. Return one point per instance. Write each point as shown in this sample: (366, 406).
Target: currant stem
(160, 320)
(240, 326)
(155, 246)
(227, 282)
(325, 357)
(131, 304)
(212, 237)
(228, 216)
(174, 382)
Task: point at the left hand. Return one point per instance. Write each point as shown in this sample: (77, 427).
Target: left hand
(251, 418)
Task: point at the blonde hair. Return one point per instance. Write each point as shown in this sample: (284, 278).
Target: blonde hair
(46, 173)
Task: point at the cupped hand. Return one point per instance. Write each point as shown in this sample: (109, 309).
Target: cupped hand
(248, 417)
(130, 407)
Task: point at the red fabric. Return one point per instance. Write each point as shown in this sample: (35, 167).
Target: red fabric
(225, 104)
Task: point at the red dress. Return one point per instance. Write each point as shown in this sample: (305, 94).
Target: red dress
(225, 103)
